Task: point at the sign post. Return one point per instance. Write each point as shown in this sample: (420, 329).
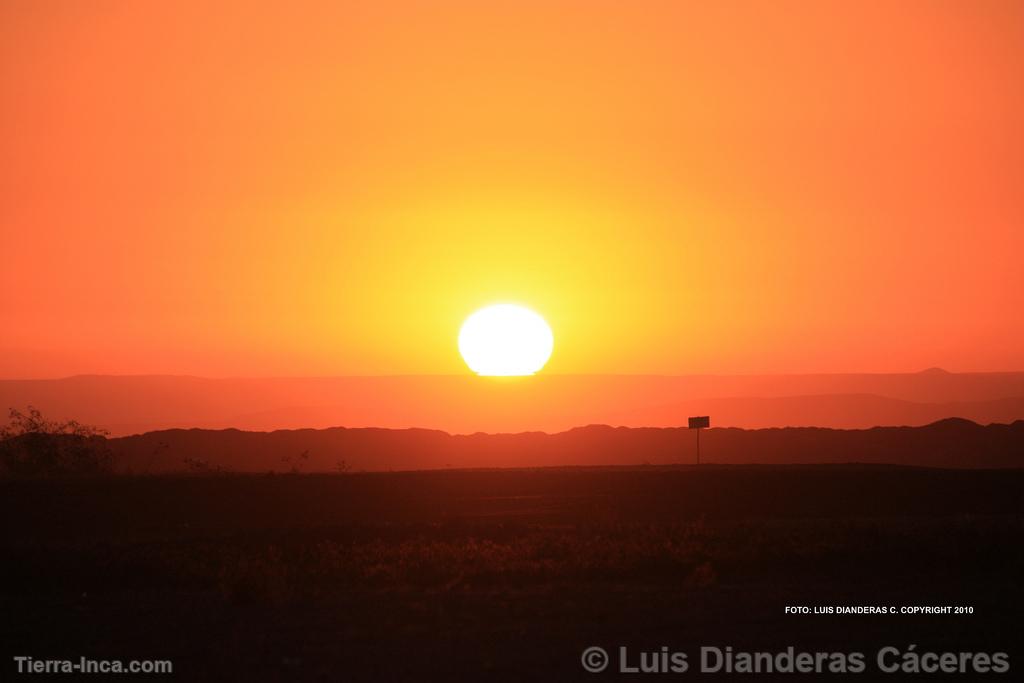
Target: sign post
(700, 422)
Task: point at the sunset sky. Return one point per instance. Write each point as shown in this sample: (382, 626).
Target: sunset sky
(331, 188)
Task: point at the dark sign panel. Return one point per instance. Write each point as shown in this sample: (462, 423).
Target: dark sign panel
(700, 422)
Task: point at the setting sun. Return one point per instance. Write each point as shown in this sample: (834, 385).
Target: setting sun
(505, 340)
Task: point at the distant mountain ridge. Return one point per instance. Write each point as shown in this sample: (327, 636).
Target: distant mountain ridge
(466, 404)
(952, 443)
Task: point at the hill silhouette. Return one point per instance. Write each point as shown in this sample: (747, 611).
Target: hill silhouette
(952, 443)
(552, 403)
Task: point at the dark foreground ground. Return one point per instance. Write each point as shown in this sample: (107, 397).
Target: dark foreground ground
(507, 574)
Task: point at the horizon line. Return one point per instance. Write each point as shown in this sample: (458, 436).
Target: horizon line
(593, 425)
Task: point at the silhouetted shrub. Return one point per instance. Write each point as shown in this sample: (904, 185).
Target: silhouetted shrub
(32, 446)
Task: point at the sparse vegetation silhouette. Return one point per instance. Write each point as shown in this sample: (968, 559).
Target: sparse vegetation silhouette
(34, 446)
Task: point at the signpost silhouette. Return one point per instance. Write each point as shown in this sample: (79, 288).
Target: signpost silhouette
(699, 422)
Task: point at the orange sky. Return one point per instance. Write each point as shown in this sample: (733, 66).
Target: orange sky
(322, 188)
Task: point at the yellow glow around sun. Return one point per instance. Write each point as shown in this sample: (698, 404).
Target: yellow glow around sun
(505, 340)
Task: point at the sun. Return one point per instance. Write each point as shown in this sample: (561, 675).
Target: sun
(505, 340)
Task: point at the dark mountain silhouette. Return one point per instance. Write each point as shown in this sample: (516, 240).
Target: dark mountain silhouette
(552, 403)
(954, 443)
